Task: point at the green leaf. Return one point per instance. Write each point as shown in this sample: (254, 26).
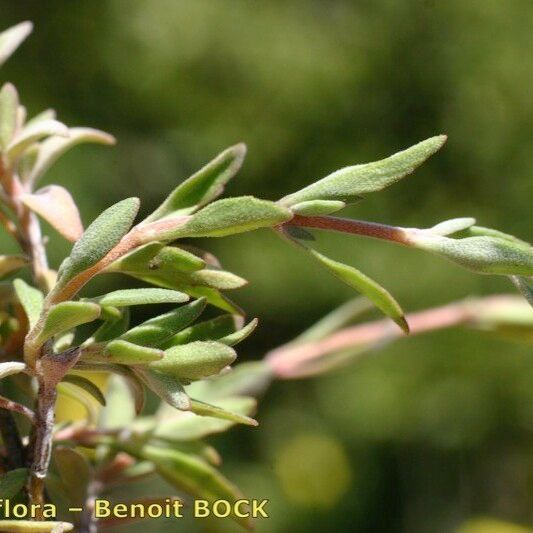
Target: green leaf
(454, 225)
(33, 133)
(317, 207)
(205, 409)
(166, 387)
(217, 279)
(230, 216)
(99, 238)
(524, 286)
(9, 263)
(187, 473)
(57, 207)
(127, 297)
(187, 426)
(33, 526)
(9, 103)
(381, 298)
(127, 353)
(12, 482)
(238, 336)
(349, 183)
(87, 385)
(195, 360)
(484, 255)
(156, 331)
(11, 367)
(11, 39)
(65, 316)
(31, 300)
(204, 186)
(114, 328)
(74, 472)
(52, 148)
(480, 231)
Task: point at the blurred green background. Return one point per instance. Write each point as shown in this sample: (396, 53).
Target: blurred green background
(431, 432)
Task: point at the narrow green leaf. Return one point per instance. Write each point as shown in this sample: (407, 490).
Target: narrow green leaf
(213, 329)
(9, 103)
(52, 148)
(99, 238)
(317, 207)
(156, 331)
(347, 184)
(188, 426)
(127, 353)
(524, 286)
(12, 482)
(11, 367)
(204, 186)
(484, 255)
(381, 298)
(167, 387)
(127, 297)
(10, 263)
(238, 336)
(33, 526)
(31, 300)
(74, 472)
(480, 231)
(114, 328)
(205, 409)
(448, 227)
(11, 39)
(195, 360)
(230, 216)
(33, 133)
(217, 279)
(87, 385)
(65, 316)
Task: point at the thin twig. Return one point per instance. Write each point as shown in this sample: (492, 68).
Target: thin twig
(10, 405)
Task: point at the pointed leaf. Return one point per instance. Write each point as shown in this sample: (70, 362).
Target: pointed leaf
(217, 279)
(9, 103)
(157, 330)
(202, 187)
(238, 336)
(87, 385)
(212, 329)
(127, 297)
(56, 206)
(74, 472)
(347, 184)
(9, 263)
(448, 227)
(480, 231)
(100, 237)
(317, 207)
(33, 526)
(31, 300)
(11, 367)
(12, 482)
(65, 316)
(114, 328)
(524, 286)
(33, 133)
(381, 298)
(230, 216)
(11, 39)
(51, 149)
(205, 409)
(195, 360)
(166, 387)
(127, 353)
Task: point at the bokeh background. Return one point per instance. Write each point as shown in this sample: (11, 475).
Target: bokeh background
(430, 433)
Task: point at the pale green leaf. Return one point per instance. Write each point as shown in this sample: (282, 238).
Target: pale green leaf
(349, 183)
(202, 187)
(230, 216)
(11, 39)
(119, 410)
(12, 482)
(112, 329)
(381, 298)
(216, 278)
(52, 148)
(65, 316)
(454, 225)
(127, 297)
(205, 409)
(33, 133)
(31, 300)
(317, 207)
(56, 205)
(167, 387)
(127, 353)
(525, 286)
(99, 238)
(195, 360)
(87, 385)
(480, 231)
(11, 367)
(9, 103)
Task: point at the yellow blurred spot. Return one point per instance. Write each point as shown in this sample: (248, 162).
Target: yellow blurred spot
(313, 470)
(487, 525)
